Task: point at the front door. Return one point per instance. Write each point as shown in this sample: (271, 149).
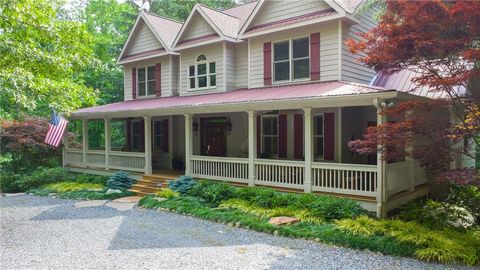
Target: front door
(213, 139)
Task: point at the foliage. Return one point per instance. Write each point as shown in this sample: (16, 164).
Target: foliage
(182, 185)
(213, 193)
(65, 186)
(81, 194)
(332, 208)
(41, 56)
(466, 196)
(90, 178)
(167, 193)
(439, 40)
(120, 180)
(38, 177)
(180, 9)
(446, 246)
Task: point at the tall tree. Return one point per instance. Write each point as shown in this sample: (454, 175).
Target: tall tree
(441, 41)
(180, 9)
(40, 57)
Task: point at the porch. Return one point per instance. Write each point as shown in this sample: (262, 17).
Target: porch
(292, 146)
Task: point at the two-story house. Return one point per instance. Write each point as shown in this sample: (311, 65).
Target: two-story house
(262, 94)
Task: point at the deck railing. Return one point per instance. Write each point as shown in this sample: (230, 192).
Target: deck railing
(280, 173)
(95, 158)
(399, 177)
(220, 168)
(130, 161)
(74, 157)
(354, 179)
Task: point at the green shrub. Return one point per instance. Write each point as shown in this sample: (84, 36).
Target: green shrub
(38, 177)
(62, 187)
(167, 193)
(90, 178)
(182, 185)
(467, 196)
(213, 193)
(120, 180)
(8, 182)
(333, 208)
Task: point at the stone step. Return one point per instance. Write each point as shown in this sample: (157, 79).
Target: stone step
(145, 188)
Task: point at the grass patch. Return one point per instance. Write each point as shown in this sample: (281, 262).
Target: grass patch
(65, 186)
(78, 191)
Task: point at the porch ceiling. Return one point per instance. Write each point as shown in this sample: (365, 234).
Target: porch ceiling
(326, 94)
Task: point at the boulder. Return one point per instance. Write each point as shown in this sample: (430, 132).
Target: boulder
(282, 220)
(112, 190)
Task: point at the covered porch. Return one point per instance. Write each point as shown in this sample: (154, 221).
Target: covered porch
(296, 146)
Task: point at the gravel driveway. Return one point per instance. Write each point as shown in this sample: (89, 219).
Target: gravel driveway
(49, 233)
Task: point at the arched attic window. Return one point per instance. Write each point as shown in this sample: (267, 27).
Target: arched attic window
(203, 74)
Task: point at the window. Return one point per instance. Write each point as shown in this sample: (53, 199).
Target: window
(291, 60)
(318, 142)
(158, 134)
(203, 74)
(269, 135)
(137, 134)
(146, 81)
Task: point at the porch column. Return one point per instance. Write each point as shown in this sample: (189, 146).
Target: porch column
(307, 118)
(410, 159)
(108, 139)
(381, 165)
(148, 144)
(188, 142)
(252, 146)
(84, 140)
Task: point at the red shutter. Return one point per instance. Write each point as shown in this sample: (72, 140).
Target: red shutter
(259, 135)
(142, 134)
(315, 56)
(128, 136)
(134, 83)
(298, 136)
(267, 63)
(329, 136)
(165, 136)
(158, 80)
(282, 136)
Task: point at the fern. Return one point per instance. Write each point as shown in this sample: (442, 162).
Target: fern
(362, 225)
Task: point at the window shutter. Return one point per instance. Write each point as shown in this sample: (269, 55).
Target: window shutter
(134, 83)
(315, 56)
(142, 134)
(329, 136)
(267, 63)
(298, 136)
(128, 130)
(158, 80)
(282, 136)
(165, 136)
(259, 135)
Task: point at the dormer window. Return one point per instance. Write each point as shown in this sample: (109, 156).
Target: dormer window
(203, 74)
(291, 60)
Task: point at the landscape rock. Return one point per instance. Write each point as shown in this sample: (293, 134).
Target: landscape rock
(92, 203)
(128, 199)
(112, 190)
(282, 220)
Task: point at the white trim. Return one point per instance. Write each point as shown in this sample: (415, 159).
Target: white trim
(314, 136)
(224, 47)
(290, 60)
(150, 56)
(171, 74)
(147, 80)
(248, 63)
(340, 49)
(207, 74)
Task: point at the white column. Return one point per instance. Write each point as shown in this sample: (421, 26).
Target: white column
(188, 142)
(252, 146)
(409, 158)
(308, 130)
(84, 140)
(108, 139)
(381, 165)
(148, 144)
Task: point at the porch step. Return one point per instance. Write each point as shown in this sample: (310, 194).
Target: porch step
(150, 184)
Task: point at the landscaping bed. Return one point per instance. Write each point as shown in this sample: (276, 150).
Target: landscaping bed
(322, 218)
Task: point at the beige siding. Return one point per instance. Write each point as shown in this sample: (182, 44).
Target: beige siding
(351, 69)
(213, 52)
(229, 66)
(175, 74)
(329, 51)
(198, 27)
(142, 40)
(278, 10)
(165, 75)
(241, 65)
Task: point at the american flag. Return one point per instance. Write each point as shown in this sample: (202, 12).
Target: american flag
(56, 128)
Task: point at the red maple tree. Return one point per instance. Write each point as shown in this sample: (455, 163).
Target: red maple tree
(440, 40)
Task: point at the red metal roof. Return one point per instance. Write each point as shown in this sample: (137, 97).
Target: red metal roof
(300, 91)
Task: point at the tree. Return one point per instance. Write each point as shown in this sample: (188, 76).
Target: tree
(180, 9)
(441, 41)
(41, 56)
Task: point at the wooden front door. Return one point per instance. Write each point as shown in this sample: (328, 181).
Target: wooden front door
(213, 139)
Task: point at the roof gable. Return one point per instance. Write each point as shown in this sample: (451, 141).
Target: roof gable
(143, 39)
(199, 27)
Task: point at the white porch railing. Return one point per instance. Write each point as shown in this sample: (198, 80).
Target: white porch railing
(95, 158)
(399, 177)
(354, 179)
(130, 161)
(280, 173)
(220, 168)
(74, 156)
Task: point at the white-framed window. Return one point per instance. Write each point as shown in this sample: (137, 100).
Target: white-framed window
(203, 74)
(291, 59)
(136, 143)
(318, 136)
(158, 134)
(269, 135)
(146, 81)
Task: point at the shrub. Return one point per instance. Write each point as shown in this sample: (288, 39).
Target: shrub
(167, 193)
(467, 196)
(37, 178)
(213, 193)
(90, 178)
(182, 185)
(62, 187)
(332, 208)
(263, 197)
(120, 180)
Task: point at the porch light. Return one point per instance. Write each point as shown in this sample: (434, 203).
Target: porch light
(195, 126)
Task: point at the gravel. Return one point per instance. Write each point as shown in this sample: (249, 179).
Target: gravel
(49, 233)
